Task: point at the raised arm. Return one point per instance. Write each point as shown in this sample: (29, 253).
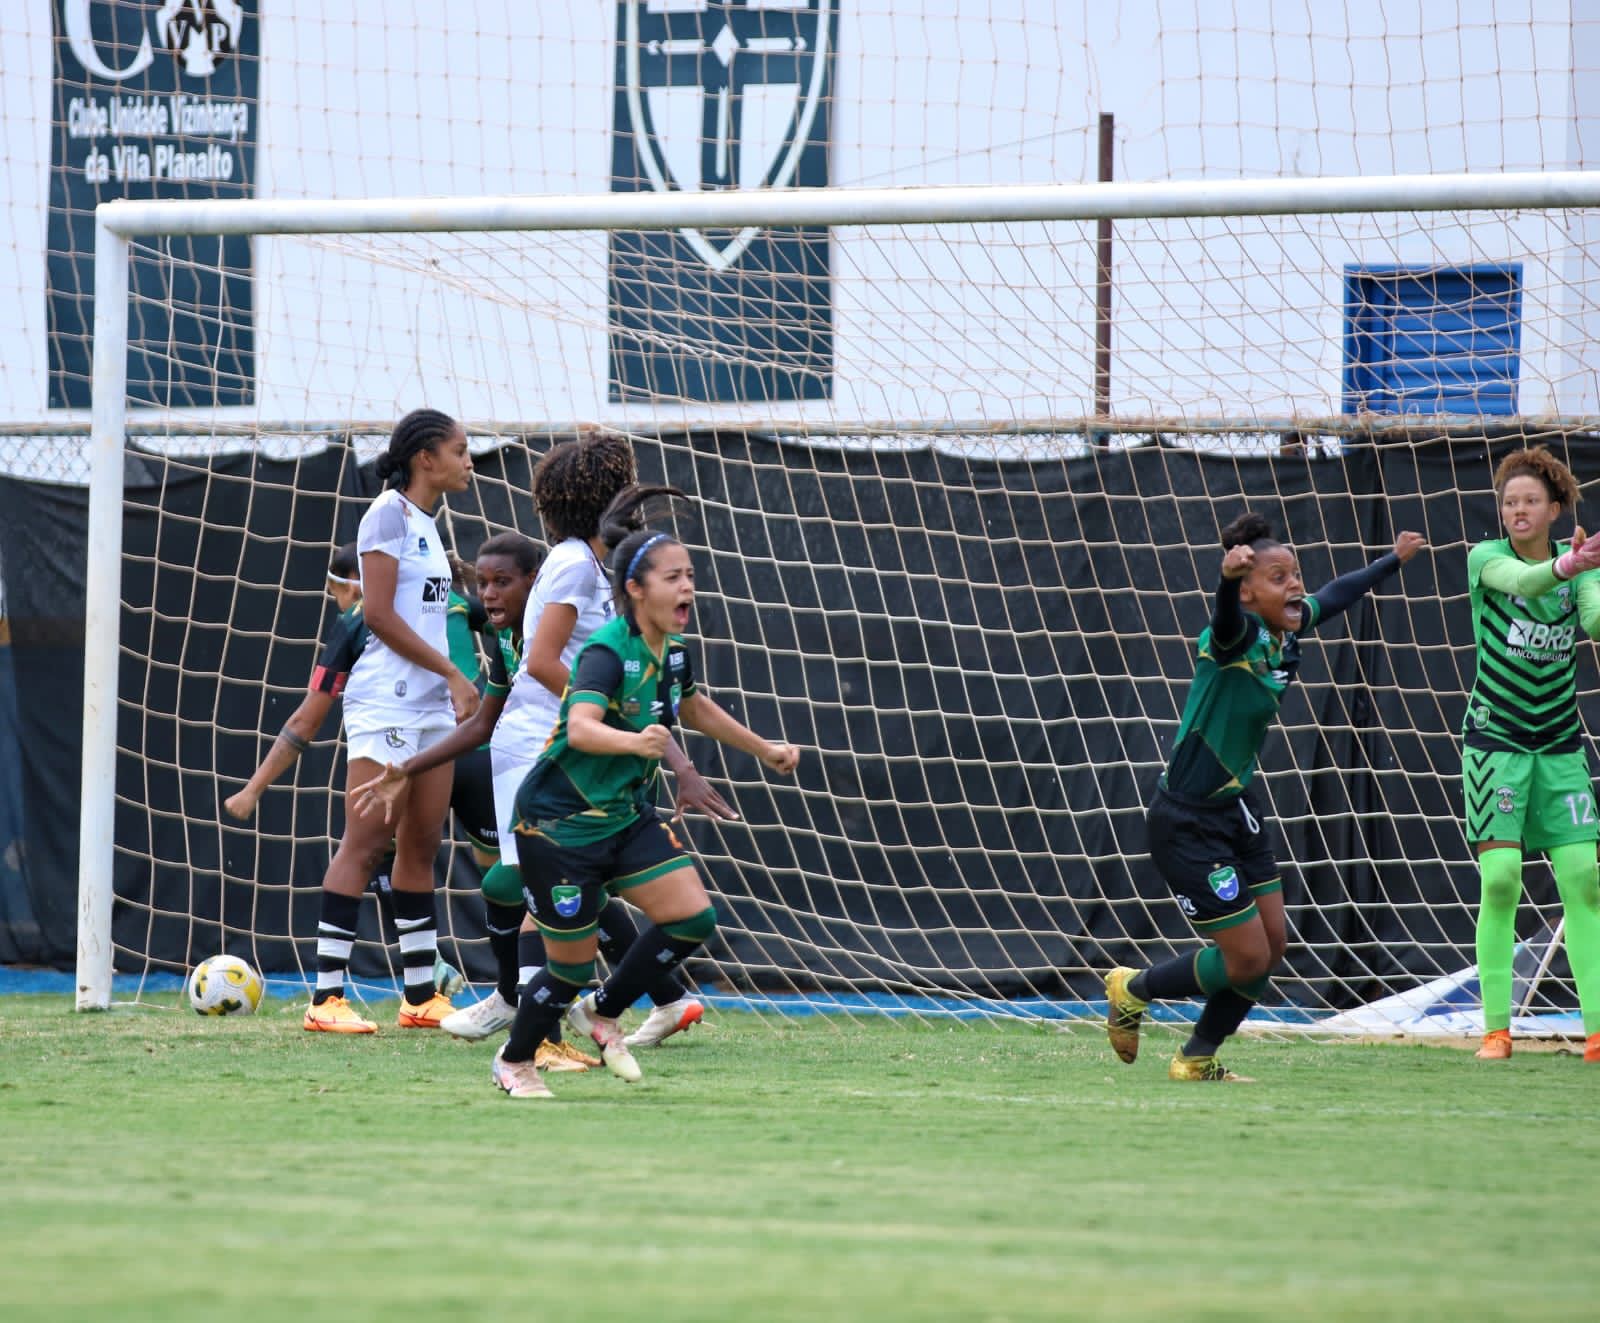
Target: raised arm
(1344, 592)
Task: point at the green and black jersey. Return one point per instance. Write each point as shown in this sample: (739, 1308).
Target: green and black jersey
(1525, 627)
(1241, 672)
(1237, 690)
(575, 798)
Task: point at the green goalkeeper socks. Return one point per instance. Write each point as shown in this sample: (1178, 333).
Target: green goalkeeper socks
(1578, 881)
(1500, 872)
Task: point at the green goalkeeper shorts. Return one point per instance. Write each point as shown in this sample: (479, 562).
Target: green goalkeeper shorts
(1539, 799)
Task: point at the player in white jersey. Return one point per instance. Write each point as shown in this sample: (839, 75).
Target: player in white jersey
(572, 596)
(404, 694)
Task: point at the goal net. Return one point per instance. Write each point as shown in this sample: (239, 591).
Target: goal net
(959, 459)
(977, 622)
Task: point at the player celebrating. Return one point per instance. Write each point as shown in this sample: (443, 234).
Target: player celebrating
(404, 695)
(1208, 839)
(1524, 770)
(586, 821)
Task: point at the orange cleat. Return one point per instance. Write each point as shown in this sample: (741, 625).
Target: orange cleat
(430, 1015)
(1496, 1046)
(336, 1016)
(1591, 1049)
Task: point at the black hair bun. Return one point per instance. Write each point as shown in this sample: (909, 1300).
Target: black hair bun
(1248, 529)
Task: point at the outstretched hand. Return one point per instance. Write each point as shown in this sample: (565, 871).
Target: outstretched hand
(1408, 544)
(692, 793)
(1236, 564)
(383, 791)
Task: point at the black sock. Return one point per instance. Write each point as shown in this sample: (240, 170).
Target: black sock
(1171, 980)
(505, 924)
(419, 943)
(617, 936)
(382, 888)
(530, 960)
(336, 934)
(541, 1002)
(655, 954)
(1224, 1012)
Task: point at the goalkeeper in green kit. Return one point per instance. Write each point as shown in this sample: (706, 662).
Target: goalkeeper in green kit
(1525, 774)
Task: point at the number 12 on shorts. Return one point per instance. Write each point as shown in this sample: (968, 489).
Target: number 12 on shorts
(1581, 806)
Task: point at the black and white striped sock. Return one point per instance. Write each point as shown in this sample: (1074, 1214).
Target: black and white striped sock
(419, 942)
(336, 934)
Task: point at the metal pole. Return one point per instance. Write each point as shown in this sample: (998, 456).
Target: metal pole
(1102, 283)
(860, 206)
(102, 618)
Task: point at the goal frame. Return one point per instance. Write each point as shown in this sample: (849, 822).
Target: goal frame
(118, 223)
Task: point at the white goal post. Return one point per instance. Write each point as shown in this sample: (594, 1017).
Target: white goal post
(119, 223)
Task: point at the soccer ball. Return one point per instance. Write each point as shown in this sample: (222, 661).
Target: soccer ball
(224, 985)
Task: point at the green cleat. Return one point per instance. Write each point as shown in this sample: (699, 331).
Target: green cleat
(447, 978)
(1124, 1013)
(1207, 1069)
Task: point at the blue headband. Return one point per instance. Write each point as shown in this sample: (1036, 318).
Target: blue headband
(639, 554)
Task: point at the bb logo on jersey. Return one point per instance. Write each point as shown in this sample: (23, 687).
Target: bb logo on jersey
(435, 590)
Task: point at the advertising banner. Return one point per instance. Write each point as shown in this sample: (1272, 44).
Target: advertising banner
(154, 99)
(722, 96)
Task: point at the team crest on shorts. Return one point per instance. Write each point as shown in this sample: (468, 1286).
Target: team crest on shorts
(393, 738)
(1507, 801)
(567, 899)
(1225, 882)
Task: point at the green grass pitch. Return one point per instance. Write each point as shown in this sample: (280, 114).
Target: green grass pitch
(158, 1165)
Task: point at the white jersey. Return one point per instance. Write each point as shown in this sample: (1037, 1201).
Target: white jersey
(572, 576)
(385, 690)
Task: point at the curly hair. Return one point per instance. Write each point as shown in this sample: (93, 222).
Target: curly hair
(1249, 530)
(574, 482)
(631, 544)
(1537, 462)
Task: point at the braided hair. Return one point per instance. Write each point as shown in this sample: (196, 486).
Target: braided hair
(631, 547)
(574, 482)
(419, 430)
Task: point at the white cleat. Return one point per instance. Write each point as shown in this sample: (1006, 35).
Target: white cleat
(664, 1021)
(607, 1036)
(480, 1019)
(518, 1079)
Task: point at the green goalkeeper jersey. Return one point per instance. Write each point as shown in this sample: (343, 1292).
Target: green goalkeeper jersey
(1525, 630)
(576, 798)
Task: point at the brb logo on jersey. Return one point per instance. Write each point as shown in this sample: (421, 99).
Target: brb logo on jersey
(1528, 637)
(435, 590)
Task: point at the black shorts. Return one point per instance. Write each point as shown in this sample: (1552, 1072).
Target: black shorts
(1217, 858)
(472, 800)
(566, 886)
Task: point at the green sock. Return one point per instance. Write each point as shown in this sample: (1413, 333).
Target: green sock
(1500, 873)
(1578, 881)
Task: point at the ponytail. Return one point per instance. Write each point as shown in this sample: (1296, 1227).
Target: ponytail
(419, 430)
(630, 545)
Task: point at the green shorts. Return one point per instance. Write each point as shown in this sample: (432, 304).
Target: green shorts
(1539, 799)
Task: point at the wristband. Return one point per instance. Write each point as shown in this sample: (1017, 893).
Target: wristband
(295, 742)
